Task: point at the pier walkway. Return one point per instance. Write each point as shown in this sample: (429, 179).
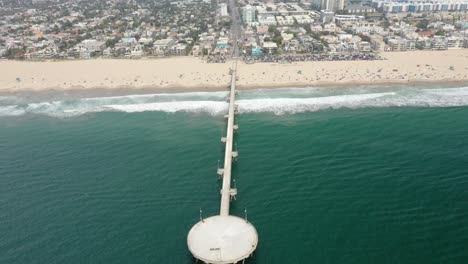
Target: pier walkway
(224, 238)
(226, 190)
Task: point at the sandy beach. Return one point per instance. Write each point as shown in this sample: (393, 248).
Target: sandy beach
(193, 74)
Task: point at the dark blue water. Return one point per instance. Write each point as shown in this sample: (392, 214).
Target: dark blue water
(361, 185)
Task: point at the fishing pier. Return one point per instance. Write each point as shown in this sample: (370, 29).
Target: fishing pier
(224, 238)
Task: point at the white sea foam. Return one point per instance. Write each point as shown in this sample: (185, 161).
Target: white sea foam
(137, 98)
(211, 107)
(11, 110)
(462, 91)
(299, 105)
(278, 102)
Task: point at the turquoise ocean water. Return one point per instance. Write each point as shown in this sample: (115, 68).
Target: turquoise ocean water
(349, 175)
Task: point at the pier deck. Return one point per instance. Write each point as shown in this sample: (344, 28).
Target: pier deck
(224, 238)
(226, 189)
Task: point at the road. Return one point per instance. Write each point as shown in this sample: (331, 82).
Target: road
(237, 31)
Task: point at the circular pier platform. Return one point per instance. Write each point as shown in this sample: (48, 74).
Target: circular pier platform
(222, 239)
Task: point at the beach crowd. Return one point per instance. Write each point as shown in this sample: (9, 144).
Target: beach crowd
(300, 58)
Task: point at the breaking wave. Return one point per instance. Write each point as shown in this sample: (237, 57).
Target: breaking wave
(277, 101)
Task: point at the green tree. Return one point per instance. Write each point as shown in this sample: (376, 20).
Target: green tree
(316, 36)
(365, 38)
(423, 24)
(15, 53)
(272, 29)
(56, 29)
(278, 40)
(325, 43)
(68, 24)
(111, 42)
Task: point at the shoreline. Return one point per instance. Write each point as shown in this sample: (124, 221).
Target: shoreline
(123, 91)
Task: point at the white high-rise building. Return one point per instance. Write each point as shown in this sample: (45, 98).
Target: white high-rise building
(222, 9)
(248, 14)
(332, 5)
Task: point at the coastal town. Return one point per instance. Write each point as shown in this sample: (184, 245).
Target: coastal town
(271, 30)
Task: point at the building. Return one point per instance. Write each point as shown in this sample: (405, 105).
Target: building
(365, 46)
(262, 29)
(348, 18)
(221, 47)
(401, 44)
(359, 9)
(332, 5)
(439, 43)
(3, 51)
(266, 18)
(161, 47)
(270, 47)
(377, 43)
(256, 52)
(330, 27)
(222, 9)
(222, 42)
(411, 44)
(424, 43)
(127, 42)
(454, 42)
(90, 47)
(196, 51)
(137, 51)
(178, 49)
(418, 6)
(145, 41)
(397, 44)
(327, 16)
(248, 14)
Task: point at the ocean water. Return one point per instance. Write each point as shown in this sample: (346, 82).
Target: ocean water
(348, 175)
